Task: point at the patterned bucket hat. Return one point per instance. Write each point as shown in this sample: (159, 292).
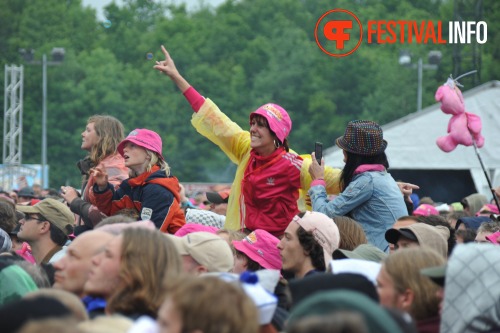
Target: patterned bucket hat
(362, 137)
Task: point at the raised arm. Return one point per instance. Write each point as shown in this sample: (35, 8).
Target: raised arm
(167, 67)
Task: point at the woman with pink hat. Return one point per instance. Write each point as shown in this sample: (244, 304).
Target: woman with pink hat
(369, 193)
(269, 176)
(150, 190)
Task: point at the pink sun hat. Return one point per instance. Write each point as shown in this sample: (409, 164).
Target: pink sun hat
(278, 119)
(425, 210)
(144, 138)
(261, 247)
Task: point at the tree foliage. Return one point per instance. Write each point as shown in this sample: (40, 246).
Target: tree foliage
(241, 54)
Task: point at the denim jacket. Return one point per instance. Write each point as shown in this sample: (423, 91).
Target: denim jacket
(372, 198)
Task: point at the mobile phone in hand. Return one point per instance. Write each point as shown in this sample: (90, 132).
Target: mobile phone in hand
(318, 151)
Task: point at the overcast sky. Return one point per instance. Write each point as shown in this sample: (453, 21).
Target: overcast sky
(100, 4)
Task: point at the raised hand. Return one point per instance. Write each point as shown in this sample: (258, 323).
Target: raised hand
(69, 193)
(317, 171)
(167, 67)
(100, 177)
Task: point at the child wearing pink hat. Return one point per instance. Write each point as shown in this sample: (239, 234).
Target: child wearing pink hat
(258, 250)
(269, 176)
(150, 190)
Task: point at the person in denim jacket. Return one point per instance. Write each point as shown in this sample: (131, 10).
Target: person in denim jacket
(369, 193)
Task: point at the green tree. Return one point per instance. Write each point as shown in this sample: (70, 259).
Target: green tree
(241, 54)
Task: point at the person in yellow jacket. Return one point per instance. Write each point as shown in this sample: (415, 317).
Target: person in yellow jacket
(271, 180)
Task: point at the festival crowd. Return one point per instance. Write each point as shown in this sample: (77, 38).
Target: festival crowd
(291, 246)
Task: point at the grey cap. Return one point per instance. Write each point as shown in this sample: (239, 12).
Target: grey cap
(364, 252)
(436, 274)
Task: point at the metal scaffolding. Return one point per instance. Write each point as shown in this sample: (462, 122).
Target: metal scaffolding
(12, 126)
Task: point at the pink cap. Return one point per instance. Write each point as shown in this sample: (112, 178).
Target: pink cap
(324, 231)
(278, 119)
(488, 209)
(261, 247)
(193, 227)
(425, 210)
(143, 138)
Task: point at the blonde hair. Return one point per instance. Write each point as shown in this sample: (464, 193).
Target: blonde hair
(157, 160)
(404, 266)
(232, 235)
(154, 159)
(351, 233)
(109, 131)
(147, 259)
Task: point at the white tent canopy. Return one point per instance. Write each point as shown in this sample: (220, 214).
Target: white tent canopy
(412, 140)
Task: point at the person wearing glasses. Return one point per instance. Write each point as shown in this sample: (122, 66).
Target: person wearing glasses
(45, 227)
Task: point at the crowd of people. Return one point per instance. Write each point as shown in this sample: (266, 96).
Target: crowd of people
(291, 246)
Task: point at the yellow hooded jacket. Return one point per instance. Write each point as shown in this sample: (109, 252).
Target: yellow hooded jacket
(210, 122)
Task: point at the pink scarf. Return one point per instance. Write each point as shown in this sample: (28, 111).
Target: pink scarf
(369, 167)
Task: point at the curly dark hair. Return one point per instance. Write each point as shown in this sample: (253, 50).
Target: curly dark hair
(312, 247)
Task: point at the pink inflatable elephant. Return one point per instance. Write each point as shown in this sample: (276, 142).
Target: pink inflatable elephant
(463, 127)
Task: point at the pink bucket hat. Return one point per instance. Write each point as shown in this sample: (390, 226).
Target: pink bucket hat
(425, 210)
(277, 117)
(324, 231)
(262, 247)
(143, 138)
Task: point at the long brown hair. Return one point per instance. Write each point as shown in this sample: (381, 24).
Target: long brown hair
(351, 233)
(404, 266)
(109, 130)
(147, 258)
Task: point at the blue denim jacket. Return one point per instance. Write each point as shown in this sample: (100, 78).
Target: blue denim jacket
(372, 198)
